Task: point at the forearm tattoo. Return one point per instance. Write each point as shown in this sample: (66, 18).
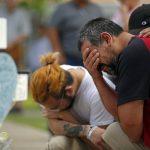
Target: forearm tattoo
(72, 131)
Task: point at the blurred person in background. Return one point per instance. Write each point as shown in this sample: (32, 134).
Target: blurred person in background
(39, 46)
(65, 25)
(145, 32)
(121, 17)
(72, 105)
(18, 30)
(139, 21)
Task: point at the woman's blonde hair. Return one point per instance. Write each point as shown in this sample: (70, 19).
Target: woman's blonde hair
(49, 80)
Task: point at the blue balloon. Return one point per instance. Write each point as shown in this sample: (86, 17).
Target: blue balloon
(8, 81)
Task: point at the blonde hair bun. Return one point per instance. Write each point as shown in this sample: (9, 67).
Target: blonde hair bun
(50, 58)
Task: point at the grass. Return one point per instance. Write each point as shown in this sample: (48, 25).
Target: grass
(31, 115)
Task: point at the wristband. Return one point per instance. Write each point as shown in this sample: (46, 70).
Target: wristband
(90, 132)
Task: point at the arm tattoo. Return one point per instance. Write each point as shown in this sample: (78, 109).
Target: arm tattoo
(72, 131)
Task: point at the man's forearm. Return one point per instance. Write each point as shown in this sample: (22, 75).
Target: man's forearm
(108, 95)
(134, 132)
(131, 119)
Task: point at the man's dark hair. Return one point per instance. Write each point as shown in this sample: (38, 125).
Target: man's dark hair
(92, 30)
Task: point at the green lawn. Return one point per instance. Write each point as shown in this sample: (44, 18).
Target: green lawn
(30, 116)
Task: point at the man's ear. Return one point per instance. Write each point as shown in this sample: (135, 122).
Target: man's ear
(69, 90)
(106, 37)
